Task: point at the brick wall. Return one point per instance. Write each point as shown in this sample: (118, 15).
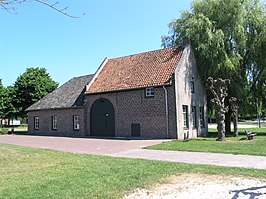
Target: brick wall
(64, 118)
(132, 107)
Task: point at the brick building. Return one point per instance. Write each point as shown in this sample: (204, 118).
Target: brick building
(156, 94)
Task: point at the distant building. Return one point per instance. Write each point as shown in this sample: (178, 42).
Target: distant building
(12, 122)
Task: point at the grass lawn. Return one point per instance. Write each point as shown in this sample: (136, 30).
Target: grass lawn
(39, 173)
(233, 145)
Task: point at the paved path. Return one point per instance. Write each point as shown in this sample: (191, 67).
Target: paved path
(133, 149)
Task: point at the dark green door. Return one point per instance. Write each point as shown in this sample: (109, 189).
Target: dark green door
(102, 118)
(135, 130)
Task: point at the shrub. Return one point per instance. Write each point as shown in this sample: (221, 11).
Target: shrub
(4, 131)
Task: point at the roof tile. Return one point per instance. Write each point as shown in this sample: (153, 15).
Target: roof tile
(70, 94)
(154, 68)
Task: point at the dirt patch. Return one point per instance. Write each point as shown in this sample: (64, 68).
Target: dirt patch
(202, 186)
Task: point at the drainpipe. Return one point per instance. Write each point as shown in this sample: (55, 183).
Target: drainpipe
(166, 111)
(177, 113)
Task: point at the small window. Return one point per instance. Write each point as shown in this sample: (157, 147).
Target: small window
(185, 116)
(36, 123)
(76, 122)
(194, 116)
(202, 122)
(192, 86)
(149, 92)
(54, 123)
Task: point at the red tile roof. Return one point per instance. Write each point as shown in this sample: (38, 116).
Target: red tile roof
(154, 68)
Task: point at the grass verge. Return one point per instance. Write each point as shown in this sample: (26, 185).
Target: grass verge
(233, 145)
(39, 173)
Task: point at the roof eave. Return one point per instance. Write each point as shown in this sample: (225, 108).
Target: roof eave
(56, 108)
(128, 89)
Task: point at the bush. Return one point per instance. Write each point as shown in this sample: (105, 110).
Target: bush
(4, 131)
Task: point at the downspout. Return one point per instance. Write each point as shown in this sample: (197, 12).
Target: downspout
(166, 111)
(177, 110)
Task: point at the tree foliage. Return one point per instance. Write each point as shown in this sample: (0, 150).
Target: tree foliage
(2, 99)
(229, 42)
(10, 111)
(31, 86)
(7, 110)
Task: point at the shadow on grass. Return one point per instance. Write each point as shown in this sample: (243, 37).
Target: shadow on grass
(212, 135)
(196, 140)
(261, 134)
(20, 133)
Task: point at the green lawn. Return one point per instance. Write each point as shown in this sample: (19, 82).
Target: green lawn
(233, 145)
(39, 173)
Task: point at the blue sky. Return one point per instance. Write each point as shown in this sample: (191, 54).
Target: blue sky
(40, 37)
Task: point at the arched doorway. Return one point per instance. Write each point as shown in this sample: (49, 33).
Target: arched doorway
(102, 118)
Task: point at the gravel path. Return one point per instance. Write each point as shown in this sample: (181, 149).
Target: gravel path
(202, 186)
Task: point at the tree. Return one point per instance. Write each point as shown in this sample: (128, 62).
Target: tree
(2, 99)
(229, 41)
(10, 111)
(9, 6)
(30, 87)
(219, 89)
(7, 110)
(234, 107)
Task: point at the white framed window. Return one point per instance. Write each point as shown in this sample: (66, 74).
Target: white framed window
(194, 116)
(54, 123)
(36, 123)
(149, 92)
(185, 116)
(202, 122)
(76, 122)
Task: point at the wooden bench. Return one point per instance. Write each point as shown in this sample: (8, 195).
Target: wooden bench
(250, 135)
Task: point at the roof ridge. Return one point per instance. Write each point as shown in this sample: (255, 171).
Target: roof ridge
(82, 76)
(152, 51)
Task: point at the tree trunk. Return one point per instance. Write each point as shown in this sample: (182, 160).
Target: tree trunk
(219, 90)
(235, 121)
(220, 126)
(228, 122)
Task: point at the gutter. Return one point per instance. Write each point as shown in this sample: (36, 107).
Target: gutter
(128, 89)
(166, 111)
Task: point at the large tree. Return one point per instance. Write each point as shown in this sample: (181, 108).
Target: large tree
(228, 38)
(31, 86)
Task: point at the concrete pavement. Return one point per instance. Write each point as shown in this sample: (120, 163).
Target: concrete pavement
(133, 149)
(218, 159)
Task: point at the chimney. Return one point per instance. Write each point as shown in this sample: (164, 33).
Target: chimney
(186, 41)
